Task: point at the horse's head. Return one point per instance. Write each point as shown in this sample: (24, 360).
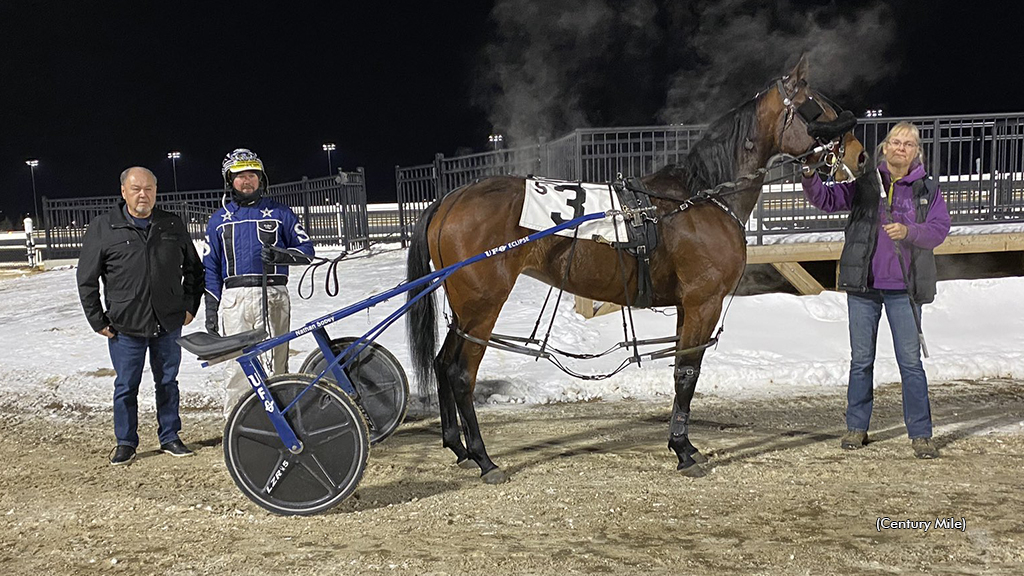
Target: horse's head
(801, 117)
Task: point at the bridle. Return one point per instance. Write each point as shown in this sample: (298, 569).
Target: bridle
(809, 111)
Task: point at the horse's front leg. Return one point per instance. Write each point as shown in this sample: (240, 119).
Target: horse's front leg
(694, 329)
(686, 372)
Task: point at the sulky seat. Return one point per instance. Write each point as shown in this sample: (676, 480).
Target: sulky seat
(214, 348)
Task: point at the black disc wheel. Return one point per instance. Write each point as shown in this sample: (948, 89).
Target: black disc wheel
(335, 445)
(382, 388)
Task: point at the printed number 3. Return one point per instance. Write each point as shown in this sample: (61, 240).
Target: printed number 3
(576, 203)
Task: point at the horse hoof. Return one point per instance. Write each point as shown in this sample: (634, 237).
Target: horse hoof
(692, 471)
(699, 458)
(467, 464)
(496, 476)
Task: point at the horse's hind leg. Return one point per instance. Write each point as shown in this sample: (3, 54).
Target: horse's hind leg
(461, 376)
(450, 438)
(694, 329)
(463, 380)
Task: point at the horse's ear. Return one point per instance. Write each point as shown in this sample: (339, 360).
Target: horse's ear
(798, 75)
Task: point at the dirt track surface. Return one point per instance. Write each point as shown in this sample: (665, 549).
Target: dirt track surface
(593, 490)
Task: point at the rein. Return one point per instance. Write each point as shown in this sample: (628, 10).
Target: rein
(713, 195)
(331, 286)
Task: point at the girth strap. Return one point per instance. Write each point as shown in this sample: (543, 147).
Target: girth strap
(643, 235)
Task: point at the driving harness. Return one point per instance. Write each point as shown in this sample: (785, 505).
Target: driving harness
(642, 234)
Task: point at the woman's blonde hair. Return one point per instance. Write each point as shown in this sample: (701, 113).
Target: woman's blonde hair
(901, 127)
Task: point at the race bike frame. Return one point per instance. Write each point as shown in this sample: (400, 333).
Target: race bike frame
(257, 376)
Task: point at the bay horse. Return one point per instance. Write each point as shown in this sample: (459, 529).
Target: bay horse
(699, 260)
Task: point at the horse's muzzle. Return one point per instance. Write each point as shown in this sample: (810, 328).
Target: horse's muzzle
(832, 129)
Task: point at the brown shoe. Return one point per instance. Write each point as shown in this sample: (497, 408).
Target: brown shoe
(853, 439)
(924, 448)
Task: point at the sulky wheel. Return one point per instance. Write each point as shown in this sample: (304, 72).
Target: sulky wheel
(381, 385)
(335, 445)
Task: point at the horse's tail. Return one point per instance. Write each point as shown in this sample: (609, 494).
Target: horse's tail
(422, 317)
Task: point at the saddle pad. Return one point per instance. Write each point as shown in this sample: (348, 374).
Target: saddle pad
(549, 202)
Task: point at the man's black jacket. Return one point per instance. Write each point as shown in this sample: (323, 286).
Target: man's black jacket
(150, 276)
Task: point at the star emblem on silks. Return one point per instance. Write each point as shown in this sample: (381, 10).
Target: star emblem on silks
(226, 216)
(267, 212)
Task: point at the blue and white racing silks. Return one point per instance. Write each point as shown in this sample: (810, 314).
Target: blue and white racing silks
(234, 237)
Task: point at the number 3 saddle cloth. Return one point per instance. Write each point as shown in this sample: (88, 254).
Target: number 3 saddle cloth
(550, 202)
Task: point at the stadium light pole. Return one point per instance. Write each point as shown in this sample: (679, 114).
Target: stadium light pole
(32, 168)
(329, 147)
(174, 155)
(495, 140)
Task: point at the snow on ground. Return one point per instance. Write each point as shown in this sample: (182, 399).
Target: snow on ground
(773, 344)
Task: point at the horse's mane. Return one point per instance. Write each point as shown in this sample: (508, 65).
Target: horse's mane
(712, 159)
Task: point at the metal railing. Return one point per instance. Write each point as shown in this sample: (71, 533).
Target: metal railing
(332, 210)
(978, 159)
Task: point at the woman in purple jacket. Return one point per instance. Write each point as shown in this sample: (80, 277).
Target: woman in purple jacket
(897, 217)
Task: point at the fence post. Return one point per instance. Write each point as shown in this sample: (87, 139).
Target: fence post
(760, 218)
(305, 206)
(578, 157)
(30, 242)
(542, 156)
(439, 188)
(345, 219)
(399, 193)
(46, 223)
(341, 225)
(362, 209)
(993, 167)
(936, 149)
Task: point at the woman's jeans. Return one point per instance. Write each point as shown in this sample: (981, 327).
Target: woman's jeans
(865, 312)
(128, 355)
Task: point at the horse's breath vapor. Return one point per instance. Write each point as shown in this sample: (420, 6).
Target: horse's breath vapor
(548, 65)
(572, 64)
(736, 43)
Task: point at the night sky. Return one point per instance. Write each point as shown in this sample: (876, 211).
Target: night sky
(90, 88)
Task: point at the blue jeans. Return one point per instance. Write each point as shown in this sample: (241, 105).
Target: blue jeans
(865, 312)
(128, 354)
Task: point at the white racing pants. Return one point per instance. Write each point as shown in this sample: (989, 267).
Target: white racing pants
(241, 310)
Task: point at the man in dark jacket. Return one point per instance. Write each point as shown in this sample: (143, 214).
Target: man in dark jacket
(152, 281)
